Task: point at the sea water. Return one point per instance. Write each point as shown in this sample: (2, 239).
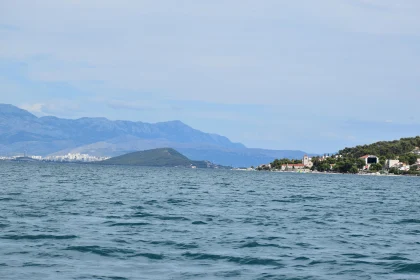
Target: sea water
(70, 221)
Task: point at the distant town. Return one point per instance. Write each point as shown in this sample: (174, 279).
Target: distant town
(63, 158)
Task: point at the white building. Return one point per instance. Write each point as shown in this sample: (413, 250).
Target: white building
(307, 161)
(390, 163)
(369, 159)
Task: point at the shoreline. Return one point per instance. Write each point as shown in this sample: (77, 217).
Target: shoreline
(333, 173)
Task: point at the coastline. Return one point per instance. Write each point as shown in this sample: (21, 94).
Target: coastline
(333, 173)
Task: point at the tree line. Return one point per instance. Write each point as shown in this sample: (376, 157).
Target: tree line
(348, 160)
(386, 149)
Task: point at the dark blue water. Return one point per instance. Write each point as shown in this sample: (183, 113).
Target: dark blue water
(61, 221)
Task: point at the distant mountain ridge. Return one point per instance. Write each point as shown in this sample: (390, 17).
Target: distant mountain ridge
(21, 131)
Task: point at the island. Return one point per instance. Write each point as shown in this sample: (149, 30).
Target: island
(162, 157)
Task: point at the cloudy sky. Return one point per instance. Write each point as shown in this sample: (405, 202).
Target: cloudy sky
(310, 75)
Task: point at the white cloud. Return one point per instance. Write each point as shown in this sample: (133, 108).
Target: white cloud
(36, 108)
(63, 108)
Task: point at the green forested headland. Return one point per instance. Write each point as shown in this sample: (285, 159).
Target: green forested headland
(387, 149)
(348, 160)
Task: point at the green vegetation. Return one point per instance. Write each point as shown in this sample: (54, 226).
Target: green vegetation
(164, 157)
(375, 167)
(408, 158)
(337, 164)
(386, 150)
(348, 160)
(276, 164)
(412, 171)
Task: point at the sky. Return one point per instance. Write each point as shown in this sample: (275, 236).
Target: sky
(307, 75)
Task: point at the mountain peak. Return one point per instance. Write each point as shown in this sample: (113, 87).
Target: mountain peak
(10, 110)
(173, 123)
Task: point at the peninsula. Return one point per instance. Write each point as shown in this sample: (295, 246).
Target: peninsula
(399, 157)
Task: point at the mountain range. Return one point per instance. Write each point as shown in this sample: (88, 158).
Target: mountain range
(23, 132)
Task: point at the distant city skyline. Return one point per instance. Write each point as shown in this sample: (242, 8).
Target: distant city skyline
(315, 76)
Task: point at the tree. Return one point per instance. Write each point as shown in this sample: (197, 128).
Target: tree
(360, 163)
(354, 170)
(382, 160)
(344, 166)
(324, 166)
(412, 159)
(394, 170)
(375, 167)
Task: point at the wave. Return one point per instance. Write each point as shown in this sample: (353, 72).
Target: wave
(238, 260)
(142, 214)
(102, 277)
(255, 244)
(176, 201)
(101, 251)
(128, 224)
(14, 193)
(408, 221)
(183, 246)
(199, 223)
(39, 236)
(149, 256)
(394, 258)
(301, 259)
(138, 207)
(233, 273)
(356, 256)
(171, 218)
(31, 264)
(323, 262)
(408, 268)
(118, 203)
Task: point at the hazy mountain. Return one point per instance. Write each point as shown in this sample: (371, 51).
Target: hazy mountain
(21, 131)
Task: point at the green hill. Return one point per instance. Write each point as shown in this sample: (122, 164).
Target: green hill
(163, 157)
(386, 149)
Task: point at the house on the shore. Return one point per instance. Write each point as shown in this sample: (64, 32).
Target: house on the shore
(390, 163)
(369, 160)
(404, 167)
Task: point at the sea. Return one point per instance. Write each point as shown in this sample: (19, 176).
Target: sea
(75, 221)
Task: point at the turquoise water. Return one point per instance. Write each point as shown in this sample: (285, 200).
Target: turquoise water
(63, 221)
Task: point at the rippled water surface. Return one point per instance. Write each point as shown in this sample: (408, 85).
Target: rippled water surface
(61, 221)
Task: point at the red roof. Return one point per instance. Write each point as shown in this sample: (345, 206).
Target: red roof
(366, 156)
